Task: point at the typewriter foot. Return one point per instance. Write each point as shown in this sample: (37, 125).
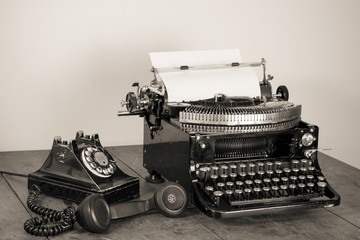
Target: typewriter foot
(154, 177)
(171, 199)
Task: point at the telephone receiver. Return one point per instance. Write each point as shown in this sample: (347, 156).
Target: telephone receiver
(82, 171)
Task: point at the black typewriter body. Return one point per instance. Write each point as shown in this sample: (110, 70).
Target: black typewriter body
(232, 154)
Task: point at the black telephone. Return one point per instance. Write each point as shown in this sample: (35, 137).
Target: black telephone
(82, 171)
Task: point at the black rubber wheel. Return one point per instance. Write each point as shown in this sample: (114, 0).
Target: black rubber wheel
(171, 199)
(284, 92)
(94, 214)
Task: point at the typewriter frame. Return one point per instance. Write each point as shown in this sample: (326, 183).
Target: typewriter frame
(176, 155)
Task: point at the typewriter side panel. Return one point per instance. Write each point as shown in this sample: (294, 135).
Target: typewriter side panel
(168, 154)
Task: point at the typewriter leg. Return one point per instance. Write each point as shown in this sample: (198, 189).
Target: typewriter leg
(155, 177)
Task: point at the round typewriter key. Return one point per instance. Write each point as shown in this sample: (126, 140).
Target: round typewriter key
(217, 195)
(285, 180)
(310, 178)
(224, 169)
(303, 163)
(223, 177)
(257, 182)
(287, 172)
(201, 174)
(233, 168)
(269, 166)
(292, 188)
(295, 171)
(310, 186)
(209, 190)
(303, 170)
(267, 182)
(301, 178)
(301, 188)
(283, 189)
(229, 185)
(274, 191)
(251, 175)
(241, 168)
(249, 183)
(266, 192)
(232, 176)
(220, 186)
(214, 170)
(239, 184)
(257, 192)
(269, 173)
(311, 169)
(247, 193)
(321, 178)
(278, 172)
(293, 179)
(295, 163)
(229, 193)
(251, 167)
(276, 181)
(213, 179)
(261, 174)
(238, 194)
(261, 166)
(277, 165)
(242, 176)
(321, 187)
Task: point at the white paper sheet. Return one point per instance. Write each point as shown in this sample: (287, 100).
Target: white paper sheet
(193, 85)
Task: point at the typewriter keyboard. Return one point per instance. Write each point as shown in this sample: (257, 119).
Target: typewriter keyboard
(238, 184)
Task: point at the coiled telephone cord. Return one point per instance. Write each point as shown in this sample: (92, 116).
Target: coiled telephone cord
(36, 225)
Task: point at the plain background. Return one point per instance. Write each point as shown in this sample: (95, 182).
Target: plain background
(66, 65)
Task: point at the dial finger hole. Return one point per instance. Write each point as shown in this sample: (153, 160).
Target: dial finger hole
(93, 165)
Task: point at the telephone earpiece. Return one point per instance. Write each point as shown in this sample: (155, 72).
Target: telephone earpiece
(93, 214)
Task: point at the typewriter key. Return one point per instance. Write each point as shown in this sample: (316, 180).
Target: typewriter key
(311, 170)
(301, 188)
(293, 179)
(310, 178)
(310, 186)
(201, 174)
(223, 177)
(229, 185)
(261, 166)
(321, 178)
(283, 189)
(276, 181)
(285, 180)
(214, 170)
(251, 175)
(247, 193)
(292, 188)
(242, 176)
(301, 178)
(238, 194)
(278, 172)
(251, 167)
(233, 169)
(220, 186)
(229, 193)
(303, 163)
(269, 173)
(241, 168)
(257, 182)
(274, 191)
(303, 170)
(267, 182)
(295, 171)
(224, 169)
(269, 166)
(287, 172)
(295, 163)
(261, 174)
(209, 190)
(232, 176)
(213, 179)
(239, 184)
(249, 183)
(266, 192)
(278, 165)
(257, 192)
(217, 195)
(321, 187)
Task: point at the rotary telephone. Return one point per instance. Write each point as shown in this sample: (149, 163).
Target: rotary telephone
(82, 171)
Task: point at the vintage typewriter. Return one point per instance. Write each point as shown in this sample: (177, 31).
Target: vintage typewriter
(231, 153)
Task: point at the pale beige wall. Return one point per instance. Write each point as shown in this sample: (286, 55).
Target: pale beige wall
(65, 65)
